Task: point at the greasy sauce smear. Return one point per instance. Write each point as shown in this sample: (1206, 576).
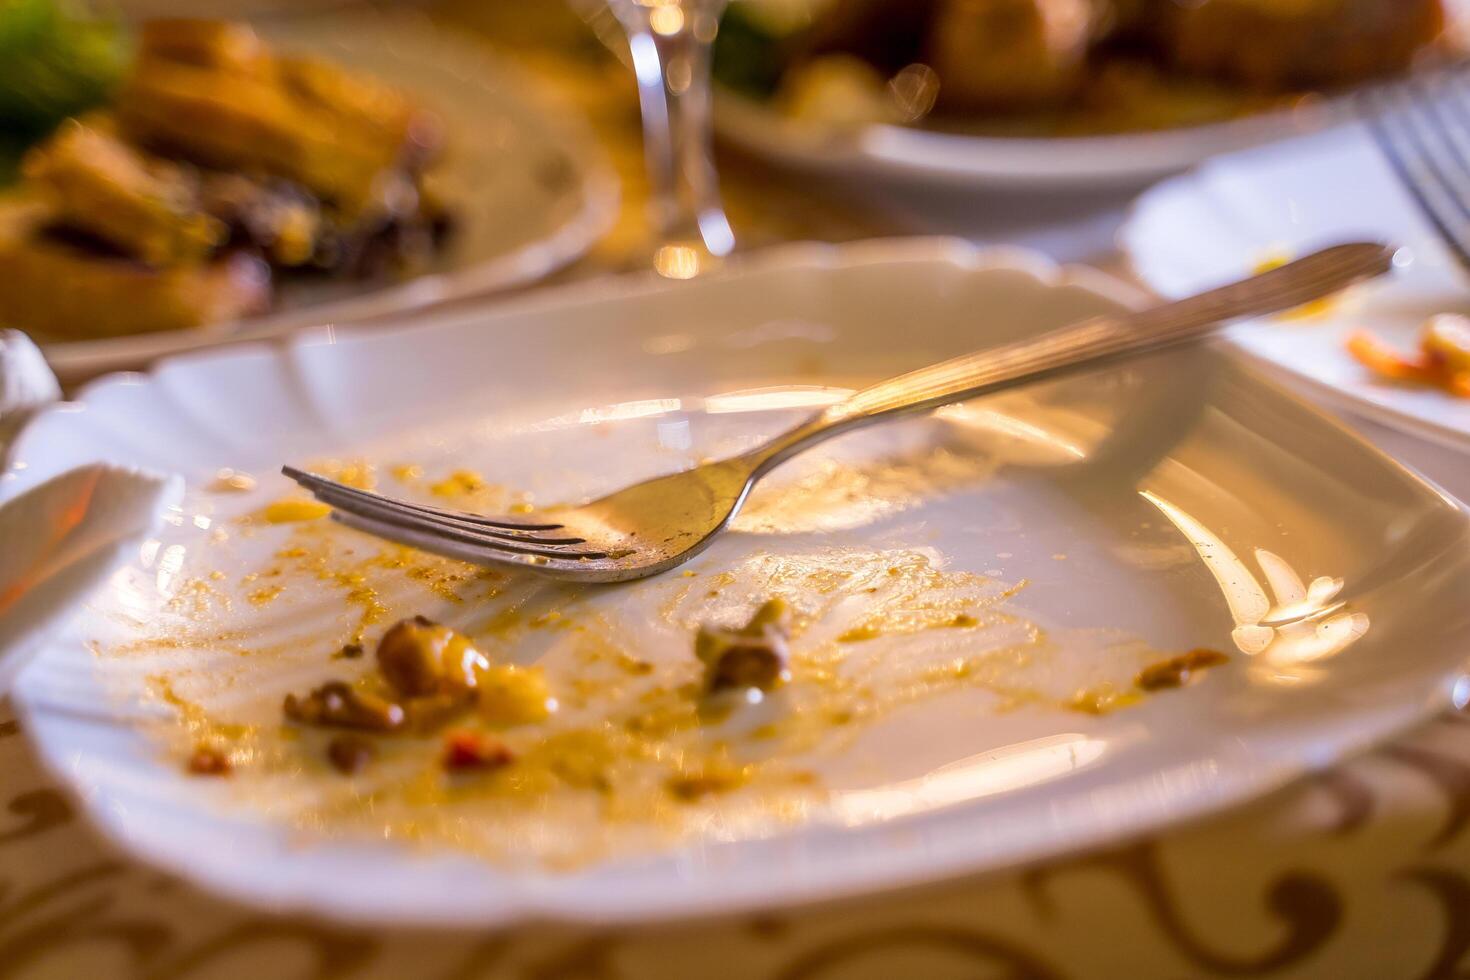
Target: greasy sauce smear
(636, 754)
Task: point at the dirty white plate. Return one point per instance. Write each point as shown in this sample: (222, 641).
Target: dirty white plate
(1091, 526)
(1217, 223)
(529, 185)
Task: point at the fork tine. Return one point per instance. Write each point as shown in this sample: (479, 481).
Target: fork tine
(394, 511)
(476, 552)
(389, 513)
(1442, 136)
(381, 510)
(1454, 112)
(1410, 129)
(486, 537)
(424, 525)
(320, 484)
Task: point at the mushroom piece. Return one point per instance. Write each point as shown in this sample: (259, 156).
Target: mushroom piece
(350, 754)
(1177, 671)
(336, 704)
(754, 656)
(419, 657)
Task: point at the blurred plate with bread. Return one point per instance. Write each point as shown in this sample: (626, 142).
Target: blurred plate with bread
(218, 180)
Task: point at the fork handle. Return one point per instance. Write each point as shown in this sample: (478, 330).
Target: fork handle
(1088, 344)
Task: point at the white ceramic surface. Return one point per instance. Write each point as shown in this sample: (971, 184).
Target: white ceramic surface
(530, 185)
(1128, 160)
(1215, 224)
(1178, 502)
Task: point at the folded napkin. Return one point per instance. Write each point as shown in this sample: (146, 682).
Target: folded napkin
(63, 539)
(60, 540)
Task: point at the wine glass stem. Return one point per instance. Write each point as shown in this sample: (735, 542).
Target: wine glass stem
(673, 70)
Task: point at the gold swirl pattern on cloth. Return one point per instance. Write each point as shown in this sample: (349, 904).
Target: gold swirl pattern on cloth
(1314, 881)
(1360, 872)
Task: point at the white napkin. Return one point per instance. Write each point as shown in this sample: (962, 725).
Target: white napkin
(62, 539)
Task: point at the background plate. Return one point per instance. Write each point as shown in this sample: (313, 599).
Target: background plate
(1215, 224)
(529, 183)
(1179, 501)
(1127, 160)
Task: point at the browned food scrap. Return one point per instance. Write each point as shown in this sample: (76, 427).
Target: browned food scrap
(337, 704)
(208, 760)
(208, 43)
(434, 675)
(691, 787)
(217, 162)
(350, 754)
(475, 752)
(432, 712)
(1276, 45)
(1058, 67)
(419, 657)
(754, 656)
(73, 289)
(274, 217)
(203, 93)
(1012, 54)
(138, 204)
(1176, 671)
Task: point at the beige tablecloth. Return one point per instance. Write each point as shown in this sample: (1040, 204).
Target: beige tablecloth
(1361, 872)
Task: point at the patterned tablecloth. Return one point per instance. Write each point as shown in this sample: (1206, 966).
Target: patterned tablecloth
(1362, 871)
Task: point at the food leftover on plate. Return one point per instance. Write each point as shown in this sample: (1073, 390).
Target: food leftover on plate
(521, 709)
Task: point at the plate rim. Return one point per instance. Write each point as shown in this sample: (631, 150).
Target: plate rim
(957, 159)
(536, 907)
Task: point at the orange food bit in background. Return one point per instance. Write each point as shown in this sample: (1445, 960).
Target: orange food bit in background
(1443, 358)
(1385, 361)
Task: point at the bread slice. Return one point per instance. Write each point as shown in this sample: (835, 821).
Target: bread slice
(1278, 45)
(56, 289)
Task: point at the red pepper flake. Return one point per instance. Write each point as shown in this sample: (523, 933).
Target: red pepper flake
(209, 761)
(475, 751)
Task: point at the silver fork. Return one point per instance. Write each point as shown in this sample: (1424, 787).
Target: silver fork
(653, 526)
(1422, 127)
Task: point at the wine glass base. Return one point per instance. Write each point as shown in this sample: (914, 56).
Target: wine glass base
(685, 260)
